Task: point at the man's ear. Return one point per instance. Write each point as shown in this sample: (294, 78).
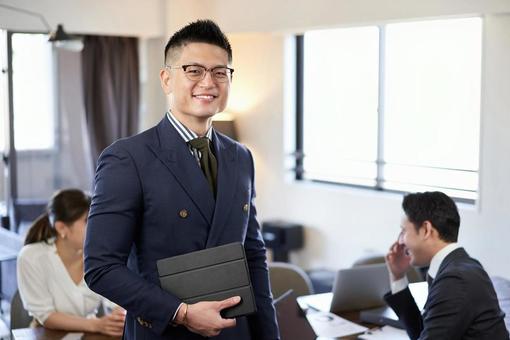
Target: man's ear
(428, 230)
(164, 78)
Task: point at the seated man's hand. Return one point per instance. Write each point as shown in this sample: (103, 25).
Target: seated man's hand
(204, 317)
(398, 261)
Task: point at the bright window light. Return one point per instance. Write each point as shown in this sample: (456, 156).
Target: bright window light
(394, 107)
(432, 105)
(340, 104)
(33, 92)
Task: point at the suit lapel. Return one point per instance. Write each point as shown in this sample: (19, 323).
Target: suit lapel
(173, 152)
(226, 154)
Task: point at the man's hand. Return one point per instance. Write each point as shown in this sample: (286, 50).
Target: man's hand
(398, 261)
(204, 317)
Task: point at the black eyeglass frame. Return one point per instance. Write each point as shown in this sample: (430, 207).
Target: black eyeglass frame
(211, 70)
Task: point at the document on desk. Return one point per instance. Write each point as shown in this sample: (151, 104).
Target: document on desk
(385, 333)
(329, 325)
(73, 336)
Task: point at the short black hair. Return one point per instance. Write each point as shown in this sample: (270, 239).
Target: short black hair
(200, 31)
(437, 208)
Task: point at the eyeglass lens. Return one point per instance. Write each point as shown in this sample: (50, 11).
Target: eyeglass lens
(197, 72)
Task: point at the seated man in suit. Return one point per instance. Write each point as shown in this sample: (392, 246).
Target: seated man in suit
(461, 303)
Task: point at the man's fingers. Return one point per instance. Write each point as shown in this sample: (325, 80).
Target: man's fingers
(229, 302)
(213, 333)
(393, 245)
(228, 323)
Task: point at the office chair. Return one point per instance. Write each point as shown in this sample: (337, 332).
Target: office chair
(19, 316)
(284, 276)
(413, 274)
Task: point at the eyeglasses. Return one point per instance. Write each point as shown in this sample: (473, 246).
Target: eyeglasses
(221, 74)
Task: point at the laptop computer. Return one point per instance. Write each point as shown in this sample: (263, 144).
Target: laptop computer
(354, 288)
(292, 321)
(360, 287)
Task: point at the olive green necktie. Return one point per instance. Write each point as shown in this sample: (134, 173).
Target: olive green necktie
(207, 160)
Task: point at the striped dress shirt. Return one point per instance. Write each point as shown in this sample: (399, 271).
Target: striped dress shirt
(188, 135)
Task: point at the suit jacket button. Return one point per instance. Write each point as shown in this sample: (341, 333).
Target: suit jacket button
(183, 213)
(245, 207)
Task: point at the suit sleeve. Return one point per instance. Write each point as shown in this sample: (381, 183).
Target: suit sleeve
(408, 313)
(263, 324)
(115, 216)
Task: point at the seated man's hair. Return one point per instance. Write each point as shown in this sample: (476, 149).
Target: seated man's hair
(435, 207)
(200, 31)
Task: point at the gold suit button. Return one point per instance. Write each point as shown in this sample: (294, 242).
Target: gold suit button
(245, 207)
(183, 213)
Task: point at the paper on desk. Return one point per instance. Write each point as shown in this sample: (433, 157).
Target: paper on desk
(73, 336)
(385, 333)
(329, 325)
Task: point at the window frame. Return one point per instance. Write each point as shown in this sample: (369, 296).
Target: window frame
(299, 153)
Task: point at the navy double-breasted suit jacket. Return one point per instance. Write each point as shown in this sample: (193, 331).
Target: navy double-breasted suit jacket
(152, 201)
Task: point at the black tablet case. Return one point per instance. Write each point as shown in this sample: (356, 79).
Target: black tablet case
(212, 274)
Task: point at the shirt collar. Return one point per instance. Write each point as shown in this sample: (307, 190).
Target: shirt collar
(183, 131)
(439, 257)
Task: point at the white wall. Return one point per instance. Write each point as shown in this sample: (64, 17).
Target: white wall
(296, 15)
(343, 223)
(107, 17)
(153, 102)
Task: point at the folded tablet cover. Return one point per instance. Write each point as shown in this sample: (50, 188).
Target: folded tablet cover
(212, 274)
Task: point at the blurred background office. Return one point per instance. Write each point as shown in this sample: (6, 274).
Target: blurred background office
(345, 105)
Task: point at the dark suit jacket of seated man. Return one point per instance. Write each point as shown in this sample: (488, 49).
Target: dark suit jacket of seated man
(461, 303)
(152, 200)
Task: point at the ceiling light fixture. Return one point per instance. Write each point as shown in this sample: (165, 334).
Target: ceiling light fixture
(58, 37)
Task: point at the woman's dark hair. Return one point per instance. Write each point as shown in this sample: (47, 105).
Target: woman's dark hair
(435, 207)
(67, 206)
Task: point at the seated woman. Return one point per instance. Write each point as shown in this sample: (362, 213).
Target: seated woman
(50, 270)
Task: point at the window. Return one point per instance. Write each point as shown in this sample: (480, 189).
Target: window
(3, 95)
(392, 107)
(33, 93)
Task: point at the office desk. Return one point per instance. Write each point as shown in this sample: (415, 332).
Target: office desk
(501, 286)
(41, 333)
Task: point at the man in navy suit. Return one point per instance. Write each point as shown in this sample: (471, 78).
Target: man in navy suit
(461, 303)
(160, 194)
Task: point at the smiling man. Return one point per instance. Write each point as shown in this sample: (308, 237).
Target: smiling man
(461, 303)
(176, 188)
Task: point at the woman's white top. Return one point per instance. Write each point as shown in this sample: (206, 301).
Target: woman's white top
(45, 285)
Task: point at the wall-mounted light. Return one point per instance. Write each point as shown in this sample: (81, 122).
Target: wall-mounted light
(224, 122)
(57, 37)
